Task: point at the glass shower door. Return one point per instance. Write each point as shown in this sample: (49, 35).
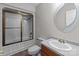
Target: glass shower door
(27, 29)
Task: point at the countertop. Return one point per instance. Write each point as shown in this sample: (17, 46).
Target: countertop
(73, 52)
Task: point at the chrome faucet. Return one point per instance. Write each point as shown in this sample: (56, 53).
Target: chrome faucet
(61, 41)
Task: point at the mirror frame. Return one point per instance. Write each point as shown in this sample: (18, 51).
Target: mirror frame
(71, 25)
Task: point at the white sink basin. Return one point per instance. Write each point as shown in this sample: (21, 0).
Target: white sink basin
(61, 46)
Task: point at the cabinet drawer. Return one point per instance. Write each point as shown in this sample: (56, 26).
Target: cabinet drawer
(48, 52)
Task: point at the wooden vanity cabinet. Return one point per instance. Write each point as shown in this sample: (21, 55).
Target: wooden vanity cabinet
(47, 52)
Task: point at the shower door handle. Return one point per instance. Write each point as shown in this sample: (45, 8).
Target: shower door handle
(31, 34)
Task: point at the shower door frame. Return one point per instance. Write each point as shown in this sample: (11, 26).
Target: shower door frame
(3, 27)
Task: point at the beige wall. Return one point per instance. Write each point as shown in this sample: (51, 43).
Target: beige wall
(45, 27)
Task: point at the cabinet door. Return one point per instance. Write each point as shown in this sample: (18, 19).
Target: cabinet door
(45, 51)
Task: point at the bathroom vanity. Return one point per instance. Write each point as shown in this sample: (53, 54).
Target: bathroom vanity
(49, 48)
(47, 52)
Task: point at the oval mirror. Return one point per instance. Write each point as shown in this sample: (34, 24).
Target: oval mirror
(66, 17)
